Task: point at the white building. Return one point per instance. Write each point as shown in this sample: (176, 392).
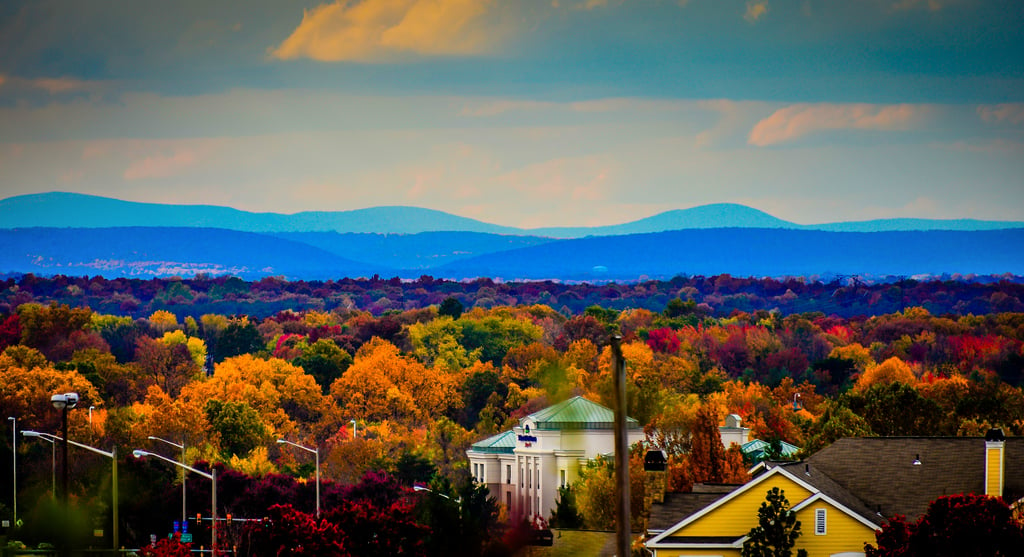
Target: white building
(733, 433)
(524, 468)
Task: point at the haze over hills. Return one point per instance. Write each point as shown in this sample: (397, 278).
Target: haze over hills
(73, 210)
(149, 252)
(758, 252)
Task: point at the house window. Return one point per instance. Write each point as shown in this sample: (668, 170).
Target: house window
(819, 522)
(508, 501)
(508, 474)
(563, 477)
(476, 475)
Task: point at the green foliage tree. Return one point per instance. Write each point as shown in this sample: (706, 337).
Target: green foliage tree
(836, 422)
(898, 409)
(239, 426)
(238, 337)
(494, 336)
(566, 515)
(452, 307)
(325, 361)
(777, 529)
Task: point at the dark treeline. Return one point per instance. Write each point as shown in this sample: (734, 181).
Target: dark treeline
(716, 295)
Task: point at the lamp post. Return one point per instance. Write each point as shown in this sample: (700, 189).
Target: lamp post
(14, 465)
(52, 440)
(213, 499)
(353, 422)
(115, 529)
(317, 453)
(91, 408)
(181, 446)
(65, 402)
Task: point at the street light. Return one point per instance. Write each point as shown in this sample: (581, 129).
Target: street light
(181, 446)
(317, 453)
(14, 466)
(353, 422)
(52, 440)
(115, 530)
(211, 476)
(65, 402)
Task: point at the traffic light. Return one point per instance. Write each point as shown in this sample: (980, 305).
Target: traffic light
(229, 518)
(199, 518)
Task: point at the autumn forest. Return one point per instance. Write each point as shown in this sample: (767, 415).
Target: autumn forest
(393, 381)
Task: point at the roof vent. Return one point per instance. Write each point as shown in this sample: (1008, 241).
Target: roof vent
(917, 460)
(807, 469)
(995, 434)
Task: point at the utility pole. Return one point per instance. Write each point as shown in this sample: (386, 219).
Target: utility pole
(622, 527)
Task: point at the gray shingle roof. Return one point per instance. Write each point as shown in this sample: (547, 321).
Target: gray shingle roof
(880, 471)
(679, 506)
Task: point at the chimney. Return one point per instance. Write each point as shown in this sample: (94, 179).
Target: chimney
(655, 477)
(995, 449)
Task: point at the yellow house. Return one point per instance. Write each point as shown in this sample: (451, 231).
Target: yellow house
(828, 526)
(841, 494)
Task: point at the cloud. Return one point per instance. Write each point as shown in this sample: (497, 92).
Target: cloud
(795, 121)
(52, 85)
(756, 9)
(388, 30)
(1009, 113)
(160, 166)
(931, 5)
(612, 104)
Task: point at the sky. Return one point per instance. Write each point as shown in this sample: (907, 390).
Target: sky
(523, 113)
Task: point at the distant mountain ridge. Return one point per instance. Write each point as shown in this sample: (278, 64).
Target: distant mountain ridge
(758, 252)
(72, 210)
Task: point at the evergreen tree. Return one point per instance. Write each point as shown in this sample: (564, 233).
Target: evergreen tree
(777, 529)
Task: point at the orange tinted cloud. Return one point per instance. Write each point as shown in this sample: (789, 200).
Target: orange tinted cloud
(52, 85)
(383, 30)
(792, 122)
(160, 166)
(756, 9)
(1009, 113)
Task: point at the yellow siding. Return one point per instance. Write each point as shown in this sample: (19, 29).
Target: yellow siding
(993, 464)
(698, 552)
(737, 516)
(842, 532)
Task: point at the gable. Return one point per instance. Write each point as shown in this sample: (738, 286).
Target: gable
(843, 532)
(734, 515)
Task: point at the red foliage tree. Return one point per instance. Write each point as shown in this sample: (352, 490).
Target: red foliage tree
(964, 525)
(663, 340)
(10, 331)
(167, 548)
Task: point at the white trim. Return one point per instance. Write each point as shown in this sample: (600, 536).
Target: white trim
(736, 544)
(842, 508)
(757, 481)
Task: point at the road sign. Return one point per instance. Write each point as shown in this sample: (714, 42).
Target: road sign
(186, 537)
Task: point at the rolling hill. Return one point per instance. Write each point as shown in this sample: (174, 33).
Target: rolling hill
(73, 210)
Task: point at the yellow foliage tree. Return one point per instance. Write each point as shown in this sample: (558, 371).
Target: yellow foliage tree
(284, 395)
(893, 370)
(163, 321)
(25, 391)
(383, 384)
(859, 355)
(196, 346)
